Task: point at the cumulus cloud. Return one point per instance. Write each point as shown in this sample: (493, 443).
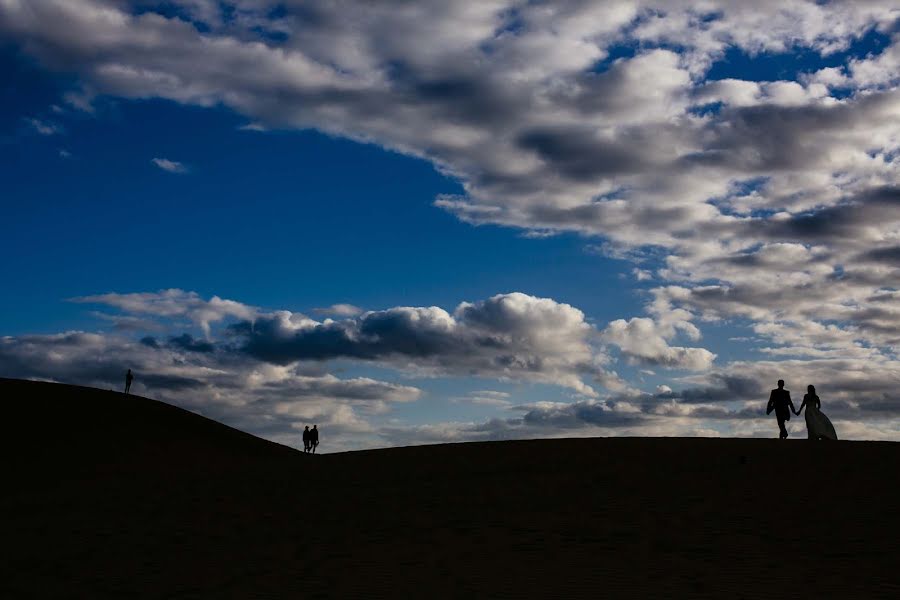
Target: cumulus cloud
(171, 166)
(641, 340)
(43, 127)
(339, 310)
(174, 303)
(506, 336)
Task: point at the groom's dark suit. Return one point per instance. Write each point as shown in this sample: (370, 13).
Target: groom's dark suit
(780, 401)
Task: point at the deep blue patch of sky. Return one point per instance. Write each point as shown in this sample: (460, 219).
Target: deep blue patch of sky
(791, 65)
(281, 219)
(762, 66)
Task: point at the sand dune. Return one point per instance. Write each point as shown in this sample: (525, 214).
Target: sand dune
(110, 495)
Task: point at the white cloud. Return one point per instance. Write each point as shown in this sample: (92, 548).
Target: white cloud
(513, 336)
(485, 398)
(642, 340)
(339, 310)
(43, 127)
(170, 165)
(508, 336)
(173, 303)
(253, 127)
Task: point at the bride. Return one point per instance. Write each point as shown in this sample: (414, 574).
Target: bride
(818, 427)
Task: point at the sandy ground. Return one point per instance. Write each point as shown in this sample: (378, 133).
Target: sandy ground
(109, 496)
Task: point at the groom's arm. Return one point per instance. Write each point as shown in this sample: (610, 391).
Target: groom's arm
(791, 404)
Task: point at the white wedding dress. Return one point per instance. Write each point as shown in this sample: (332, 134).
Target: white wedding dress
(818, 425)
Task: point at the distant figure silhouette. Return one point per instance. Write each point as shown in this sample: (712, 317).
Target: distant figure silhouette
(314, 438)
(780, 402)
(128, 379)
(306, 439)
(818, 426)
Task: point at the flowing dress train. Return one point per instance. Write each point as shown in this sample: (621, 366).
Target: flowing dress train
(818, 425)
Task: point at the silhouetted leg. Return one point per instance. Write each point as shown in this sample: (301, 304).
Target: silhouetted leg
(782, 429)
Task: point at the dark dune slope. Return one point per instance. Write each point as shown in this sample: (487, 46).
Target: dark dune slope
(110, 495)
(75, 429)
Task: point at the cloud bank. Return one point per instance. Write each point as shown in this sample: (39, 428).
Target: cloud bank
(506, 336)
(272, 371)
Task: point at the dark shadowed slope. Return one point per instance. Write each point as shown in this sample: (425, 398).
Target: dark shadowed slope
(121, 496)
(85, 429)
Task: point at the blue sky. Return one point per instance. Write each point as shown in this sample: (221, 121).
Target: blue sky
(260, 216)
(621, 193)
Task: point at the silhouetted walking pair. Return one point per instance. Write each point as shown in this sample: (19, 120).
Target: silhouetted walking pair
(310, 439)
(818, 426)
(128, 379)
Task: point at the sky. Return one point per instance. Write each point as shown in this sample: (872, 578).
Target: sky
(451, 221)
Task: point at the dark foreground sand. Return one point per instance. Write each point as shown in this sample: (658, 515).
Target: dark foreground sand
(113, 496)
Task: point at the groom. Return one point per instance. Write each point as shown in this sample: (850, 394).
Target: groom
(780, 401)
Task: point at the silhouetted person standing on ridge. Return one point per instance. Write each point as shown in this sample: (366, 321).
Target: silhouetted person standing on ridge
(306, 440)
(128, 379)
(314, 438)
(780, 401)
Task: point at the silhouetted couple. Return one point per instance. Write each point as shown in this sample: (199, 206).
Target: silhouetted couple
(818, 427)
(310, 439)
